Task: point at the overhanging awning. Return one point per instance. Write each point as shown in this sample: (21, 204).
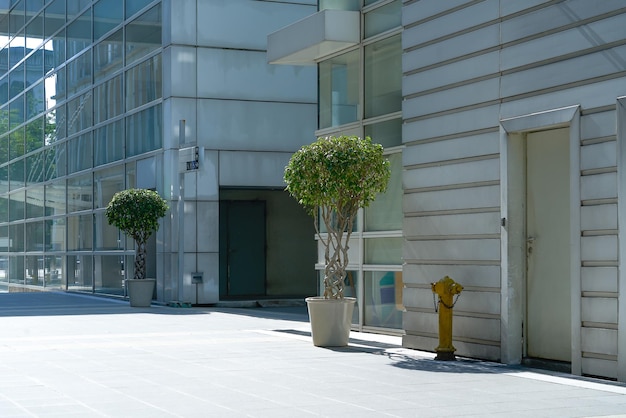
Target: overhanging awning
(314, 37)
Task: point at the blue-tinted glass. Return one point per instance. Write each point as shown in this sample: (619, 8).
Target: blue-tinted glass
(34, 32)
(79, 34)
(34, 135)
(133, 6)
(16, 144)
(34, 67)
(143, 35)
(17, 17)
(74, 7)
(54, 17)
(16, 177)
(143, 83)
(107, 14)
(80, 153)
(79, 73)
(144, 131)
(109, 55)
(16, 112)
(109, 143)
(4, 92)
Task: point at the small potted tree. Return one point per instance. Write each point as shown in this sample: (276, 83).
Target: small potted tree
(136, 212)
(333, 178)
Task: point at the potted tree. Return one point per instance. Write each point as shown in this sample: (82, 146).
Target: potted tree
(333, 178)
(136, 212)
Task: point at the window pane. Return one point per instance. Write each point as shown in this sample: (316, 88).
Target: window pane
(388, 133)
(16, 82)
(56, 160)
(339, 90)
(80, 272)
(143, 35)
(109, 143)
(16, 174)
(55, 198)
(79, 34)
(17, 17)
(34, 32)
(35, 168)
(35, 101)
(107, 100)
(385, 213)
(109, 274)
(55, 125)
(107, 14)
(74, 7)
(383, 299)
(56, 50)
(4, 87)
(34, 202)
(55, 234)
(34, 236)
(383, 251)
(54, 16)
(143, 83)
(107, 236)
(16, 238)
(16, 267)
(80, 232)
(79, 193)
(108, 55)
(383, 18)
(16, 206)
(144, 131)
(107, 183)
(80, 113)
(16, 143)
(383, 77)
(133, 6)
(4, 216)
(34, 135)
(80, 153)
(79, 73)
(54, 271)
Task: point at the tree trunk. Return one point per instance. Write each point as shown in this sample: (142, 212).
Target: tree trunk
(140, 260)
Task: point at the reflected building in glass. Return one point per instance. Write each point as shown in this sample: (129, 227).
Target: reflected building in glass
(100, 96)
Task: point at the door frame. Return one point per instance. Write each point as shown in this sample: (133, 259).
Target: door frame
(513, 228)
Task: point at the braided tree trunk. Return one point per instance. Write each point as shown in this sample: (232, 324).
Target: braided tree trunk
(140, 255)
(339, 226)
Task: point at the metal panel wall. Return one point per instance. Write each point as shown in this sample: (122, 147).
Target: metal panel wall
(467, 65)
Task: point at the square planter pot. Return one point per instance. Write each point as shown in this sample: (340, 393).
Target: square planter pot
(331, 320)
(140, 292)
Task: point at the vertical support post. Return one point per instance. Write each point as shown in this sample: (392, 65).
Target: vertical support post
(181, 216)
(446, 288)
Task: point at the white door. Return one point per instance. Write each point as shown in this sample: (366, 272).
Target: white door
(548, 312)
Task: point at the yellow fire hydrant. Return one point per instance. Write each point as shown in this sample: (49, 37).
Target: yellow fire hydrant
(446, 288)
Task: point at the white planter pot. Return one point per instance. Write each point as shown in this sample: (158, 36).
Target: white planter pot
(140, 292)
(331, 320)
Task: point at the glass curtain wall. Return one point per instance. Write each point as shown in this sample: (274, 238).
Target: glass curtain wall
(360, 93)
(80, 101)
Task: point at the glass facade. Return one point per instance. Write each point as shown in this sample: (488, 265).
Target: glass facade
(360, 93)
(80, 100)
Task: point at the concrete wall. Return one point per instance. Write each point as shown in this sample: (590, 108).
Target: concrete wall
(247, 115)
(467, 66)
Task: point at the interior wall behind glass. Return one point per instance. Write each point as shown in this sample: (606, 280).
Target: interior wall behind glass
(383, 77)
(339, 80)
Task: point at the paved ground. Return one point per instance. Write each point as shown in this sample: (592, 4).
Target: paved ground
(64, 355)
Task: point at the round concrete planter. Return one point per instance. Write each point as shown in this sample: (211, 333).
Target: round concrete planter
(140, 292)
(331, 320)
